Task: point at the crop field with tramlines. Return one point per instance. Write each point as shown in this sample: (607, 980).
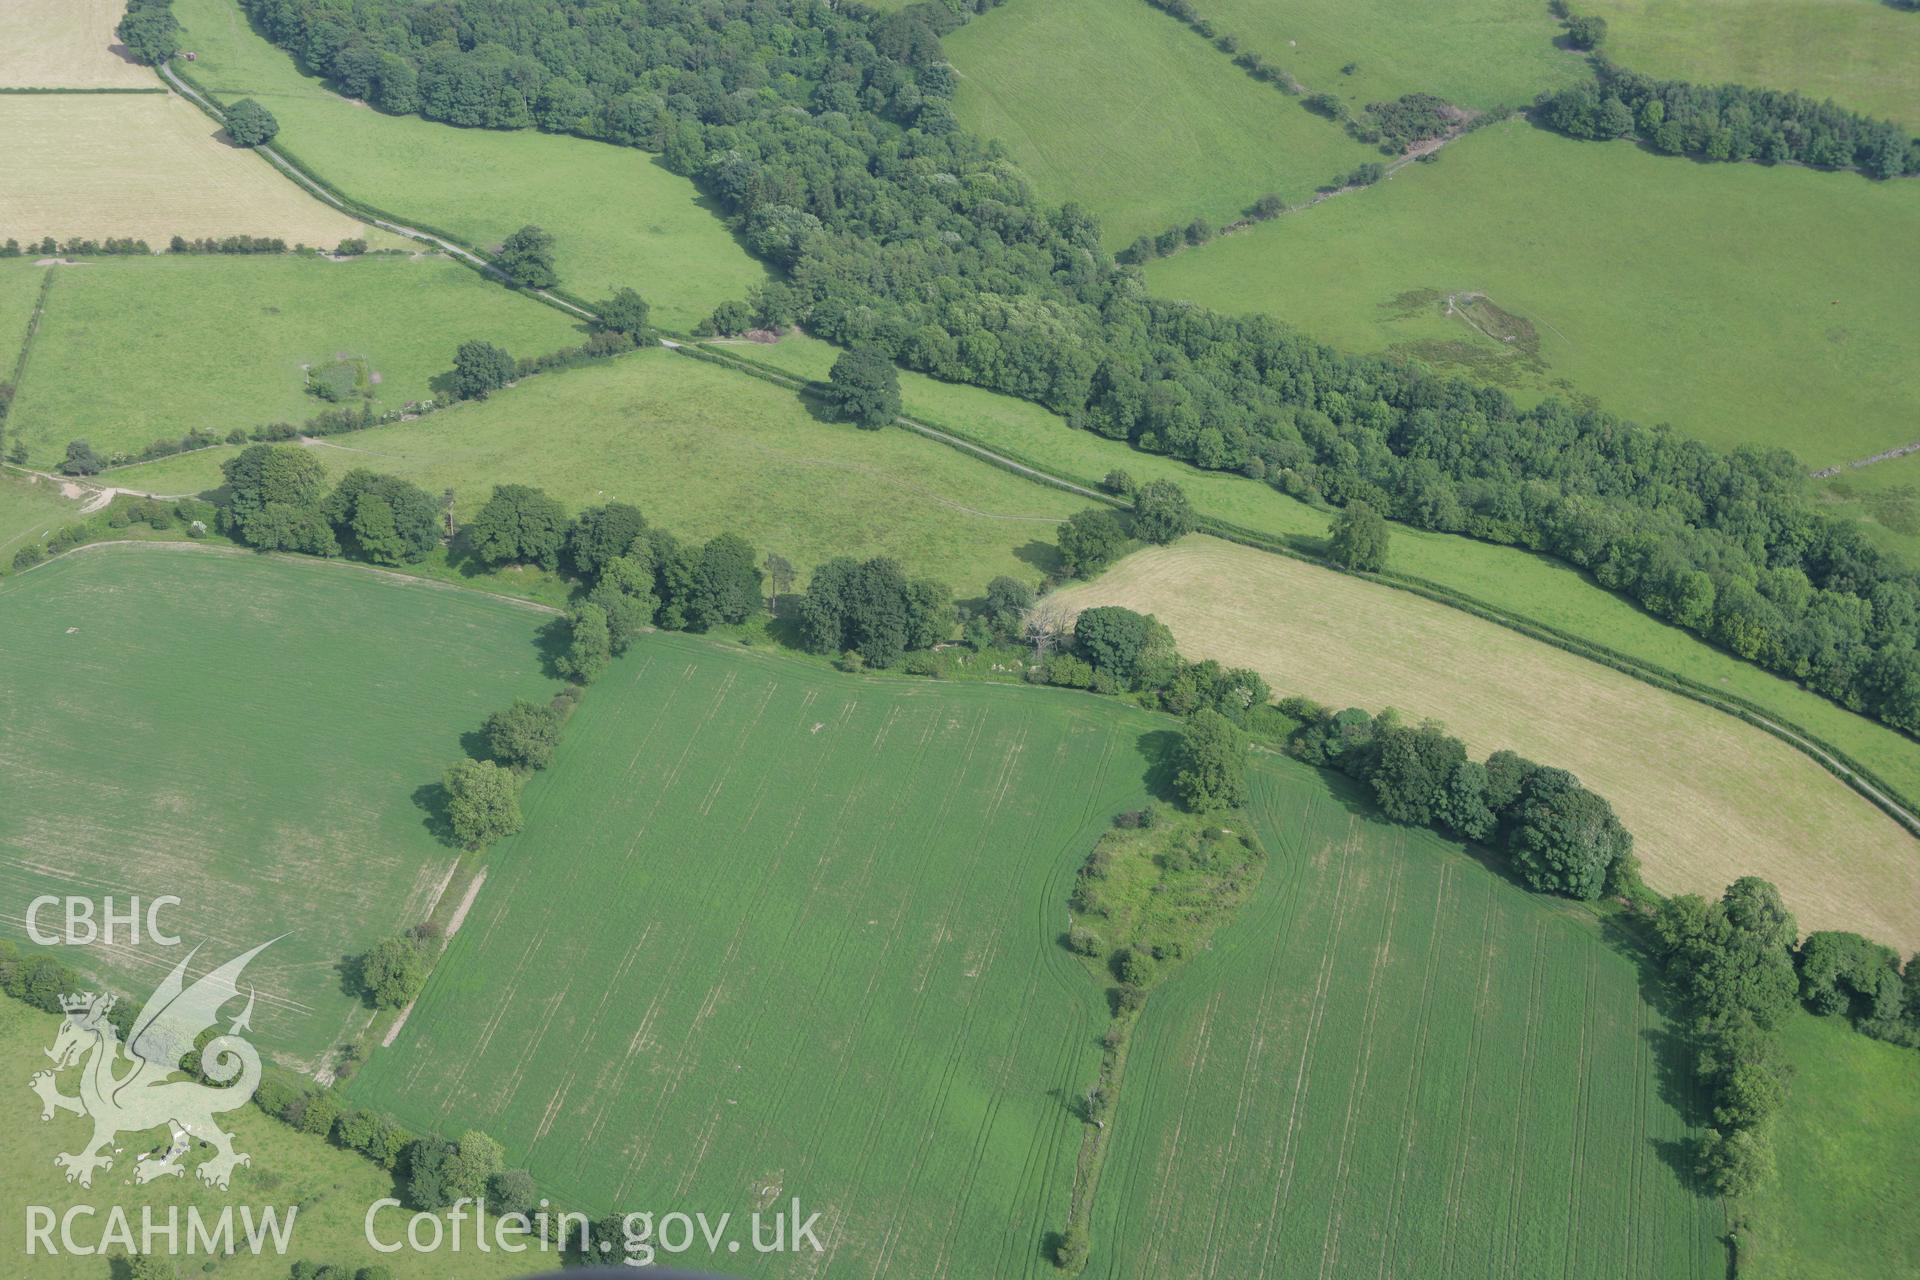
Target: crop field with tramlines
(332, 1187)
(1035, 639)
(1398, 1063)
(754, 900)
(246, 734)
(773, 932)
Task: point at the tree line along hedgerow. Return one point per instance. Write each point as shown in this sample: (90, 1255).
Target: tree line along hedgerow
(828, 137)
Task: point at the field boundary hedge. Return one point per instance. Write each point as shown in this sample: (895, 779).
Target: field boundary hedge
(35, 89)
(1876, 790)
(1870, 786)
(26, 348)
(303, 174)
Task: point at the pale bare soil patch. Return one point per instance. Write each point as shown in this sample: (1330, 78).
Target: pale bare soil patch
(1708, 797)
(66, 44)
(147, 166)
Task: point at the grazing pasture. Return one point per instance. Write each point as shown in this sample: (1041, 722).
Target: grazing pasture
(1507, 578)
(145, 165)
(331, 1187)
(703, 451)
(253, 325)
(1884, 498)
(1707, 797)
(248, 734)
(1474, 53)
(1860, 53)
(1147, 125)
(1848, 1149)
(618, 217)
(1396, 1062)
(66, 44)
(1600, 269)
(771, 931)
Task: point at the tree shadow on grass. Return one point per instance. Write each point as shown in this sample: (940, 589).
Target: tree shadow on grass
(351, 970)
(818, 407)
(432, 800)
(784, 626)
(1050, 1246)
(1043, 556)
(550, 642)
(1158, 747)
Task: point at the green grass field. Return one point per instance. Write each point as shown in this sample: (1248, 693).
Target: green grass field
(1508, 578)
(222, 342)
(1396, 1062)
(1604, 270)
(1884, 498)
(772, 932)
(1860, 53)
(19, 288)
(1476, 53)
(331, 1187)
(30, 509)
(1848, 1148)
(704, 450)
(247, 734)
(1146, 125)
(617, 216)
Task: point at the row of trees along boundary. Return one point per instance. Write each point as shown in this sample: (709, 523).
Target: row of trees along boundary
(1876, 790)
(1882, 794)
(280, 157)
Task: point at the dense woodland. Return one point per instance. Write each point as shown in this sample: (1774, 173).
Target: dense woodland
(826, 133)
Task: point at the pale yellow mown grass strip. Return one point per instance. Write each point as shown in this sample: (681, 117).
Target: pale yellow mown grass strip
(66, 44)
(148, 166)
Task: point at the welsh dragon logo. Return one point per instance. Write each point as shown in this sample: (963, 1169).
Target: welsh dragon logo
(125, 1088)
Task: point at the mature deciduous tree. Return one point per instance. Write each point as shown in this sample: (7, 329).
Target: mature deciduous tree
(250, 124)
(527, 258)
(524, 735)
(1090, 540)
(864, 387)
(1210, 767)
(519, 525)
(393, 972)
(483, 802)
(1358, 538)
(480, 369)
